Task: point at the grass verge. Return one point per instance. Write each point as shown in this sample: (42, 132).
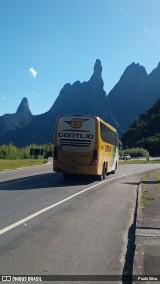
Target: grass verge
(124, 162)
(15, 164)
(146, 197)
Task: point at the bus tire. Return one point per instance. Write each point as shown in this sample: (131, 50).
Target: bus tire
(99, 178)
(104, 172)
(103, 175)
(114, 171)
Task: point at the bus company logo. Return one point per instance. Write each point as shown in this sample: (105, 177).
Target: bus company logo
(6, 278)
(76, 122)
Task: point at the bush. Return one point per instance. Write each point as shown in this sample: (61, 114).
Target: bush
(151, 144)
(48, 150)
(11, 152)
(135, 152)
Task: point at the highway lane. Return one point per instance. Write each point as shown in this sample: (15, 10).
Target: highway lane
(23, 192)
(87, 234)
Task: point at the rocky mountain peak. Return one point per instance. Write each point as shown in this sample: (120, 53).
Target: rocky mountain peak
(87, 97)
(97, 69)
(132, 95)
(134, 69)
(96, 78)
(24, 106)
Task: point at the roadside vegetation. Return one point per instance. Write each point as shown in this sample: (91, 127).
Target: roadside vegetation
(11, 152)
(145, 197)
(124, 162)
(152, 178)
(136, 156)
(12, 157)
(135, 153)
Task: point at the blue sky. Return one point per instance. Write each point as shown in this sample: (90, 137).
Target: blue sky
(45, 44)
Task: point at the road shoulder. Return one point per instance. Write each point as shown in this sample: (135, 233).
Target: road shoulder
(147, 241)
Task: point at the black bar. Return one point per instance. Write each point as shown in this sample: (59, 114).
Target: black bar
(41, 278)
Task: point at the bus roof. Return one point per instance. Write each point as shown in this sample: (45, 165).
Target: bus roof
(91, 116)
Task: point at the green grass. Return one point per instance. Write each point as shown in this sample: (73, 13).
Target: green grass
(146, 197)
(124, 162)
(14, 164)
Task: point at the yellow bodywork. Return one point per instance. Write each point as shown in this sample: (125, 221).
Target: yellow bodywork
(78, 162)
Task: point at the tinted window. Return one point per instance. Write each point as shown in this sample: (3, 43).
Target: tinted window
(108, 135)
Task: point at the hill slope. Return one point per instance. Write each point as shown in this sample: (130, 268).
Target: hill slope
(133, 94)
(20, 119)
(145, 132)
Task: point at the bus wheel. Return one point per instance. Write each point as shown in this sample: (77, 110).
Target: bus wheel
(100, 178)
(103, 175)
(104, 172)
(114, 171)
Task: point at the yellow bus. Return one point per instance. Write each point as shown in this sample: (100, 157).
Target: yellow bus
(85, 145)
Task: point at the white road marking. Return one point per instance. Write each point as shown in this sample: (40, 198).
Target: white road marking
(12, 226)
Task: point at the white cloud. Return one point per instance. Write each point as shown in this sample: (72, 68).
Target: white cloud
(33, 72)
(145, 29)
(34, 94)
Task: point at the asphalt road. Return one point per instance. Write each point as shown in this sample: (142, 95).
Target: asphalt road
(52, 227)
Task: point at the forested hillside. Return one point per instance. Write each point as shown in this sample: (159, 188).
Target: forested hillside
(145, 132)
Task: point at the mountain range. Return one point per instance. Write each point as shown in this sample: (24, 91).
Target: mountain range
(135, 92)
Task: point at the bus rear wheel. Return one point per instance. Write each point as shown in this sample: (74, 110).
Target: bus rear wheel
(103, 175)
(114, 171)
